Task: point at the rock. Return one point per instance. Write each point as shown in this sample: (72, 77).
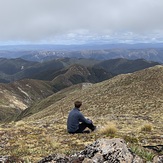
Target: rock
(10, 159)
(137, 159)
(158, 159)
(110, 150)
(76, 159)
(87, 160)
(3, 159)
(56, 158)
(101, 151)
(98, 158)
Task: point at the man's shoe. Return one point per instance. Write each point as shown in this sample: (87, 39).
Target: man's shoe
(86, 131)
(94, 128)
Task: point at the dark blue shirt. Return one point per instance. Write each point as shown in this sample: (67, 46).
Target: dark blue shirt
(74, 119)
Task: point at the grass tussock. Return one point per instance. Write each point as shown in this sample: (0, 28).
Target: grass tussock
(109, 129)
(140, 151)
(20, 124)
(147, 128)
(131, 139)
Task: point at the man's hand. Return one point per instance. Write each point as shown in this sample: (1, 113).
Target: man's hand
(89, 120)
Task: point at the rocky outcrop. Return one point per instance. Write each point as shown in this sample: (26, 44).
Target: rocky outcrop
(110, 150)
(101, 151)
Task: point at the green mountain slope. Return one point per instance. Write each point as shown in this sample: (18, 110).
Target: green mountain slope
(79, 74)
(19, 95)
(123, 66)
(12, 66)
(43, 104)
(16, 69)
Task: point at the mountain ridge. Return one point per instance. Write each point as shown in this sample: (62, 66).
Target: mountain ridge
(150, 54)
(50, 69)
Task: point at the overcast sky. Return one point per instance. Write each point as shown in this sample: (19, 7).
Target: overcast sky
(81, 21)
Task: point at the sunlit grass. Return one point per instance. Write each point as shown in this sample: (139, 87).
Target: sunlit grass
(147, 127)
(109, 129)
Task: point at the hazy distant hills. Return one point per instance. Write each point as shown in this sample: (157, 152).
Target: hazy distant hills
(96, 46)
(40, 53)
(103, 54)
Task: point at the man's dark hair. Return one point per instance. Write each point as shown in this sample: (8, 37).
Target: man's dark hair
(77, 104)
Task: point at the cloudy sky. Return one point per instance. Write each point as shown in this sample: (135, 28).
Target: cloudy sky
(80, 21)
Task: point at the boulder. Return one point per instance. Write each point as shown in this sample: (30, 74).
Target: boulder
(101, 151)
(111, 151)
(56, 158)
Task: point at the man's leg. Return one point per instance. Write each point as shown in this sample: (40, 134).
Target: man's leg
(82, 127)
(91, 126)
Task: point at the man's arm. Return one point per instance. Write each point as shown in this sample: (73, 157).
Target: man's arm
(83, 119)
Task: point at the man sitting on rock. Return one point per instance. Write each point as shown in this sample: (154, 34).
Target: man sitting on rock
(76, 122)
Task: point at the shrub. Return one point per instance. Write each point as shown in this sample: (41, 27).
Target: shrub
(130, 139)
(109, 130)
(146, 127)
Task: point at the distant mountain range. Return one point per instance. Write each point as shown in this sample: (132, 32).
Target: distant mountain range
(91, 46)
(16, 69)
(40, 53)
(104, 54)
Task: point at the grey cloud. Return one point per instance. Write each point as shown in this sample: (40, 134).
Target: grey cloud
(35, 20)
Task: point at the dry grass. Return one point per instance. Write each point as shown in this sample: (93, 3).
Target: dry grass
(147, 127)
(109, 129)
(37, 139)
(34, 141)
